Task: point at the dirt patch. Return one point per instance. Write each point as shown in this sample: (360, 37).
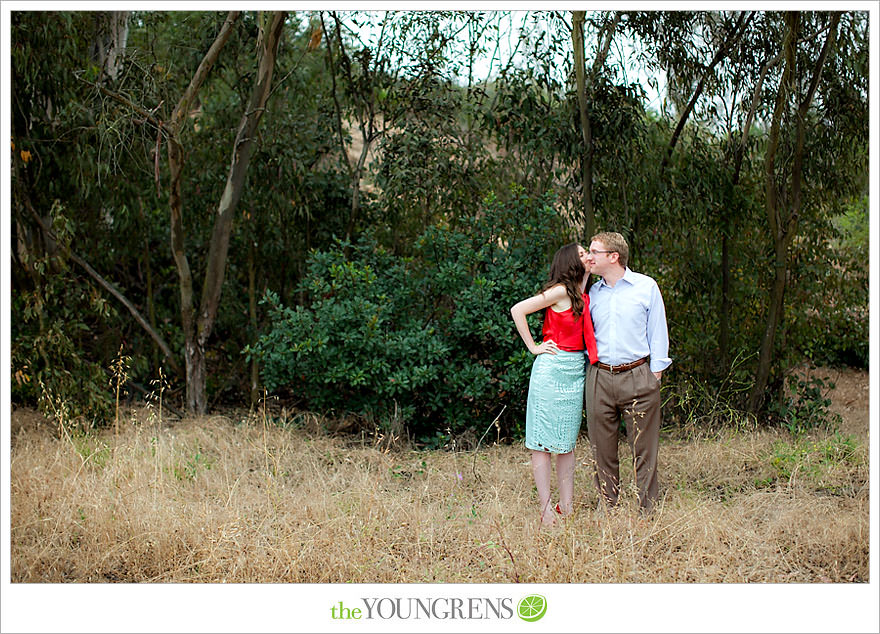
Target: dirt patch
(24, 421)
(850, 398)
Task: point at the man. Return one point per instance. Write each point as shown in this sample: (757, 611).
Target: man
(633, 348)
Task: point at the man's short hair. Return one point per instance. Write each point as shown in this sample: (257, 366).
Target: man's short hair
(614, 241)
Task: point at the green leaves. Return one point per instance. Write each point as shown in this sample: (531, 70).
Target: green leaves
(805, 406)
(429, 334)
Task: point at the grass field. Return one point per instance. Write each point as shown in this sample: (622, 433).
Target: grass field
(240, 498)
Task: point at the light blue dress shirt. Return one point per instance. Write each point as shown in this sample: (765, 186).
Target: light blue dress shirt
(629, 319)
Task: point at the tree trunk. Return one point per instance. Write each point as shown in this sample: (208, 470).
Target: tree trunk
(724, 336)
(577, 42)
(195, 379)
(584, 95)
(356, 183)
(739, 153)
(771, 201)
(110, 40)
(783, 223)
(365, 109)
(219, 246)
(148, 273)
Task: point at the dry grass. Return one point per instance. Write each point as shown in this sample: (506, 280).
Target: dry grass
(244, 500)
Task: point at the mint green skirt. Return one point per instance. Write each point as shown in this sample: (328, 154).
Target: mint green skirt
(556, 402)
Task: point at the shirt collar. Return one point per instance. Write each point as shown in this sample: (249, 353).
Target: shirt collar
(627, 276)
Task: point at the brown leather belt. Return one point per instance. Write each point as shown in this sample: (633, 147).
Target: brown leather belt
(626, 367)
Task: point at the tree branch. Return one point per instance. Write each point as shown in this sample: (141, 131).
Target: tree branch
(788, 49)
(241, 153)
(797, 170)
(204, 68)
(336, 107)
(756, 100)
(146, 114)
(112, 289)
(738, 29)
(602, 54)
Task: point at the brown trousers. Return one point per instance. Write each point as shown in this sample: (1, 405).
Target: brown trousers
(634, 397)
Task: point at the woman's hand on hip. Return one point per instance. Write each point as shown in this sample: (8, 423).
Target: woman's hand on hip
(547, 347)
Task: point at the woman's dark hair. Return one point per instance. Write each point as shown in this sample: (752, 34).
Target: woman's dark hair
(568, 270)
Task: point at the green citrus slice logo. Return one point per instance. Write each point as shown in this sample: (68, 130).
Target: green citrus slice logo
(532, 607)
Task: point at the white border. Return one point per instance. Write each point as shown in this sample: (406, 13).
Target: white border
(286, 608)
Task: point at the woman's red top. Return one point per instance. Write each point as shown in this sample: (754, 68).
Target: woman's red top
(571, 334)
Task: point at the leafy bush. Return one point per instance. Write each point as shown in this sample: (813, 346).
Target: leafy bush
(47, 363)
(805, 405)
(427, 338)
(50, 336)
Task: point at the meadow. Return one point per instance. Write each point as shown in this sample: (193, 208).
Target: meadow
(276, 496)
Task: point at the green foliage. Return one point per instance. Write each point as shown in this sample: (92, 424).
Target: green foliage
(91, 449)
(428, 338)
(55, 321)
(429, 269)
(427, 166)
(805, 405)
(807, 459)
(191, 466)
(853, 226)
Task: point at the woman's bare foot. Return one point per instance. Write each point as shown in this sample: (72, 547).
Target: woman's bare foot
(548, 517)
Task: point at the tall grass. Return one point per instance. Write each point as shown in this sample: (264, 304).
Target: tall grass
(259, 498)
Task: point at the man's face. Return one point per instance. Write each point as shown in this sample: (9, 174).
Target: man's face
(600, 259)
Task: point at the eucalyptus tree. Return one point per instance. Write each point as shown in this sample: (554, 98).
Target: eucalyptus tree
(362, 74)
(197, 320)
(407, 128)
(810, 41)
(108, 46)
(585, 87)
(530, 117)
(570, 120)
(694, 49)
(65, 149)
(369, 55)
(757, 125)
(756, 90)
(432, 163)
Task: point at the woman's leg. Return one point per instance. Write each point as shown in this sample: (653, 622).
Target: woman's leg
(565, 480)
(541, 470)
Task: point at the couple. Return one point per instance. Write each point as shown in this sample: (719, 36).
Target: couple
(619, 379)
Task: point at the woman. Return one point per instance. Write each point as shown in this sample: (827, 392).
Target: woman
(556, 388)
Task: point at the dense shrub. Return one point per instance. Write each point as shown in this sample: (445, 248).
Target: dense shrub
(426, 339)
(805, 405)
(52, 330)
(842, 321)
